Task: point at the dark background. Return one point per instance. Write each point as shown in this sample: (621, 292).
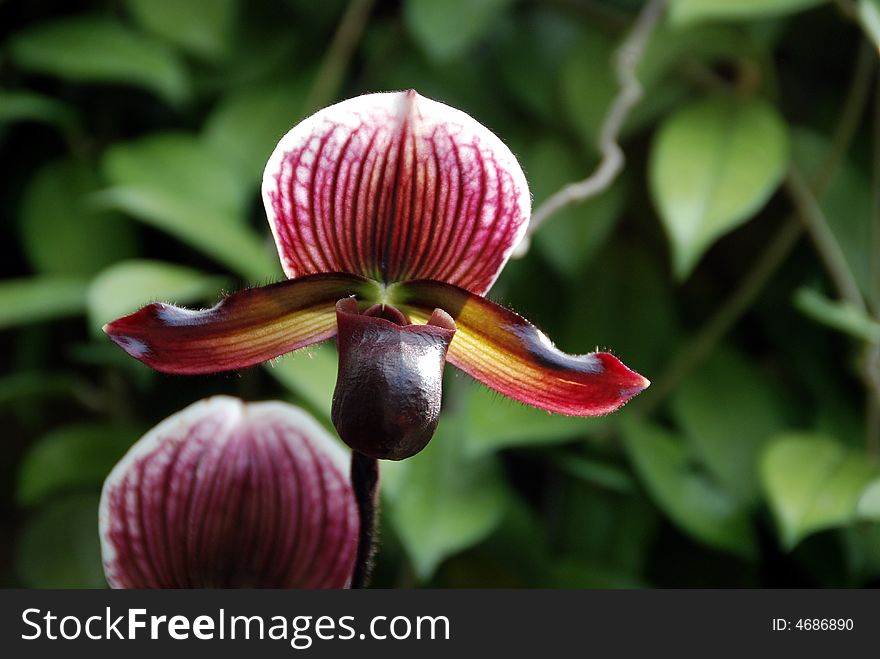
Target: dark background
(133, 136)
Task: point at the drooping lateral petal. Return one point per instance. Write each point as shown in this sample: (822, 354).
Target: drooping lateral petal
(395, 186)
(225, 494)
(507, 353)
(244, 329)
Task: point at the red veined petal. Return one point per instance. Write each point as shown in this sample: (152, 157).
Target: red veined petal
(244, 329)
(507, 353)
(395, 186)
(225, 494)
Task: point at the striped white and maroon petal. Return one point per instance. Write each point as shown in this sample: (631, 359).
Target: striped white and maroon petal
(504, 351)
(395, 186)
(225, 494)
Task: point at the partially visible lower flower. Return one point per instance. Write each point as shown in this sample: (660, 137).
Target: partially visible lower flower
(226, 494)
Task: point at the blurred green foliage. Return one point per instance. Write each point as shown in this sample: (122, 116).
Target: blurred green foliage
(133, 136)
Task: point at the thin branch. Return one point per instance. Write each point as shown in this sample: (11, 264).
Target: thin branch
(813, 217)
(850, 116)
(627, 59)
(834, 260)
(348, 34)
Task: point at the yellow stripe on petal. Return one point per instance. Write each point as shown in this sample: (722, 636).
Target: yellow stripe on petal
(244, 329)
(507, 353)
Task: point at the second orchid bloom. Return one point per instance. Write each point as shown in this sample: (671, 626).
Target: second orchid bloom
(393, 215)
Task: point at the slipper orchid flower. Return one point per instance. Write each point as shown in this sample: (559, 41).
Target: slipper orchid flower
(226, 494)
(393, 215)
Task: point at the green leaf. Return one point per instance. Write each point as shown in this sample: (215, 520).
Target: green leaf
(440, 501)
(125, 287)
(175, 183)
(838, 315)
(59, 547)
(689, 11)
(72, 457)
(232, 244)
(247, 124)
(202, 27)
(61, 231)
(27, 106)
(574, 235)
(869, 16)
(495, 423)
(812, 483)
(728, 438)
(309, 373)
(690, 498)
(449, 28)
(868, 506)
(36, 299)
(98, 49)
(181, 173)
(846, 203)
(713, 165)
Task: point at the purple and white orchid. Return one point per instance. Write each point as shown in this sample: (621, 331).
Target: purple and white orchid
(403, 211)
(230, 495)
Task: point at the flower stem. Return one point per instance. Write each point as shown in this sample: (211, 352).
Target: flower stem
(365, 483)
(824, 240)
(627, 60)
